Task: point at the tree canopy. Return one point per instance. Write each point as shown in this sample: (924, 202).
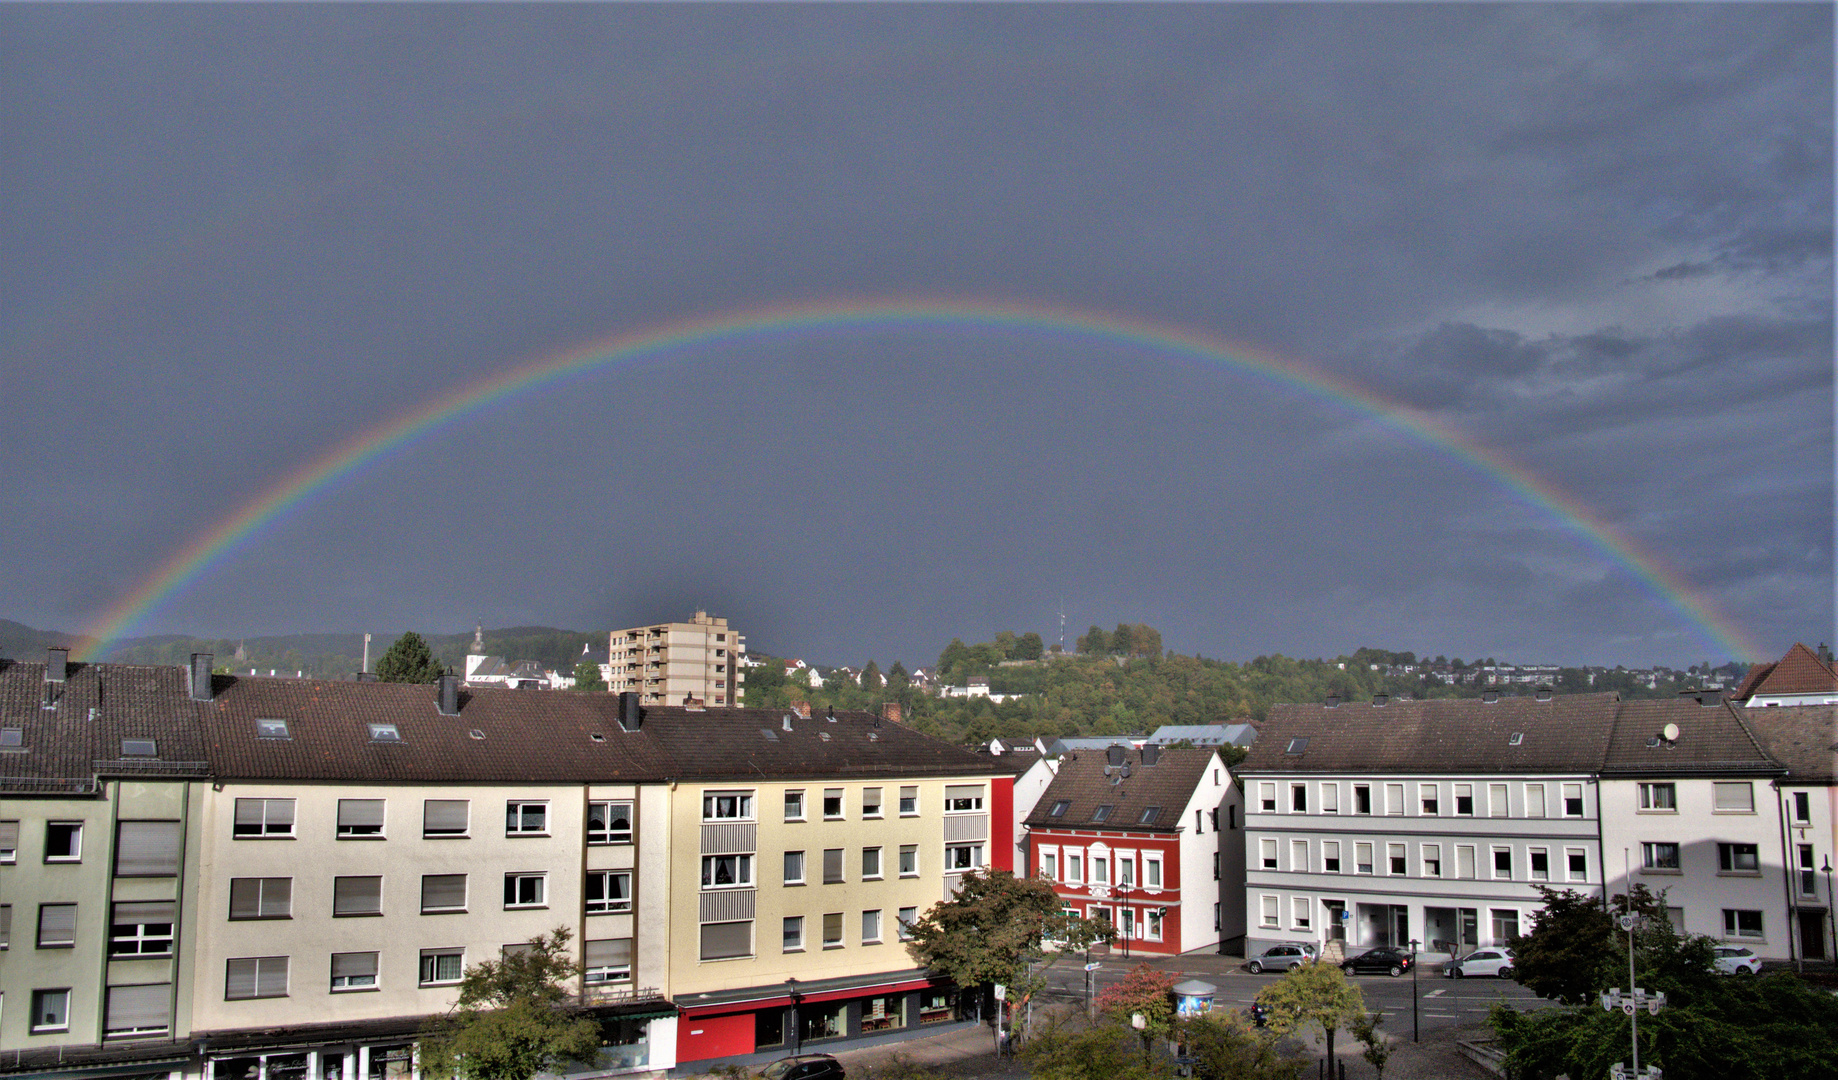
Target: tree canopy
(1572, 951)
(512, 1019)
(587, 677)
(409, 660)
(1313, 996)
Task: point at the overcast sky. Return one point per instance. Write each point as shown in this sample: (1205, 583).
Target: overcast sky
(1595, 239)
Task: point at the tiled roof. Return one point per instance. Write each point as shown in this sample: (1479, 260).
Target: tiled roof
(1804, 738)
(1799, 672)
(722, 743)
(1712, 739)
(1082, 782)
(79, 737)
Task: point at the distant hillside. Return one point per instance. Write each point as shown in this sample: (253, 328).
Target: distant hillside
(339, 656)
(21, 642)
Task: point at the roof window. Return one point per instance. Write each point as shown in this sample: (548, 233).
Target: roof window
(596, 736)
(271, 729)
(1060, 808)
(1517, 738)
(1149, 814)
(1297, 745)
(384, 733)
(139, 748)
(11, 737)
(1102, 813)
(476, 734)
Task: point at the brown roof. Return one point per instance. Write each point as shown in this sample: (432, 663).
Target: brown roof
(71, 732)
(1084, 782)
(1799, 672)
(1712, 739)
(1802, 737)
(723, 743)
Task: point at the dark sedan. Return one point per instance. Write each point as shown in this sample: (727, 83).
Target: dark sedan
(1391, 961)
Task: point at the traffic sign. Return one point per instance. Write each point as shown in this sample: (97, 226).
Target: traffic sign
(1093, 966)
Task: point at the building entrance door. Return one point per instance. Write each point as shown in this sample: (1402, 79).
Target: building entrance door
(1812, 934)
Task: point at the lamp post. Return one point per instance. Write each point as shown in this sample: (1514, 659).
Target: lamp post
(1126, 919)
(797, 1023)
(1415, 1033)
(1831, 910)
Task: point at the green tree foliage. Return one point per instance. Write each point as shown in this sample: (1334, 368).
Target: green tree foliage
(587, 677)
(1377, 1050)
(871, 679)
(1573, 952)
(1144, 992)
(1100, 1052)
(1027, 647)
(409, 660)
(1226, 1047)
(512, 1019)
(1315, 996)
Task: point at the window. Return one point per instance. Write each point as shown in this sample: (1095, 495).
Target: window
(137, 1010)
(1330, 798)
(1432, 860)
(263, 817)
(442, 966)
(871, 863)
(1809, 878)
(1394, 858)
(607, 960)
(609, 822)
(909, 801)
(525, 890)
(1149, 815)
(832, 803)
(1534, 800)
(1394, 798)
(794, 868)
(1102, 813)
(794, 806)
(142, 928)
(57, 926)
(1802, 807)
(9, 842)
(1362, 799)
(608, 891)
(1497, 803)
(1505, 925)
(139, 748)
(963, 798)
(271, 729)
(832, 866)
(1362, 857)
(352, 896)
(1049, 864)
(1100, 867)
(727, 871)
(1577, 861)
(384, 733)
(261, 898)
(727, 806)
(1060, 806)
(1735, 798)
(1503, 862)
(1152, 871)
(63, 841)
(1266, 852)
(1464, 800)
(871, 927)
(1298, 856)
(832, 930)
(1298, 798)
(871, 802)
(255, 977)
(1540, 861)
(963, 856)
(1428, 794)
(442, 893)
(1330, 856)
(354, 971)
(1659, 855)
(12, 738)
(1573, 800)
(147, 848)
(1075, 868)
(726, 940)
(444, 817)
(792, 936)
(1738, 858)
(1266, 796)
(50, 1010)
(526, 818)
(906, 918)
(360, 817)
(1741, 924)
(1464, 861)
(1268, 915)
(1299, 912)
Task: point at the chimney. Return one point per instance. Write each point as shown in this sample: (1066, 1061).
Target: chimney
(890, 711)
(57, 665)
(1333, 701)
(802, 708)
(631, 714)
(1379, 700)
(201, 676)
(1543, 693)
(449, 695)
(1710, 698)
(1151, 754)
(829, 713)
(1490, 696)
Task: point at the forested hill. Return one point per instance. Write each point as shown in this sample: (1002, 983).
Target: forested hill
(339, 656)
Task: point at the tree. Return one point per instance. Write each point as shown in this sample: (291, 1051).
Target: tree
(1573, 952)
(992, 930)
(1100, 1052)
(871, 678)
(409, 660)
(1225, 1047)
(512, 1019)
(1144, 992)
(1377, 1051)
(1313, 995)
(587, 676)
(1027, 647)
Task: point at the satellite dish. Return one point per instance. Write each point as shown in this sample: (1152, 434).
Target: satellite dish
(1670, 732)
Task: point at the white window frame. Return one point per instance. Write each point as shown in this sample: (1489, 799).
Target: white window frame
(430, 974)
(955, 854)
(794, 805)
(1266, 796)
(1430, 859)
(1270, 911)
(1657, 792)
(1362, 856)
(1300, 908)
(1732, 925)
(1266, 853)
(1330, 853)
(786, 867)
(972, 804)
(871, 857)
(354, 981)
(1535, 806)
(871, 926)
(1429, 800)
(1499, 850)
(872, 810)
(727, 804)
(515, 811)
(1725, 798)
(606, 903)
(1569, 792)
(517, 883)
(1298, 856)
(1570, 857)
(267, 826)
(1330, 797)
(1152, 871)
(909, 860)
(791, 934)
(1394, 799)
(1532, 856)
(607, 834)
(909, 800)
(841, 798)
(742, 871)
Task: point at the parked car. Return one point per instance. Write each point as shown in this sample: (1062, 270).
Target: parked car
(1281, 958)
(1481, 962)
(805, 1067)
(1737, 960)
(1384, 958)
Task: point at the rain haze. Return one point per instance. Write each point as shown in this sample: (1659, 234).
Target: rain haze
(1590, 244)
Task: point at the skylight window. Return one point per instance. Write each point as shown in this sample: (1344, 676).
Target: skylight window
(11, 737)
(384, 733)
(271, 729)
(596, 736)
(1060, 808)
(1518, 737)
(139, 748)
(1297, 745)
(476, 733)
(1149, 814)
(1102, 813)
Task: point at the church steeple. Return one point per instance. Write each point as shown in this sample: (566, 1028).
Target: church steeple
(478, 639)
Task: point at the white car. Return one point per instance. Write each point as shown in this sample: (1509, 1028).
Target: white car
(1737, 960)
(1494, 961)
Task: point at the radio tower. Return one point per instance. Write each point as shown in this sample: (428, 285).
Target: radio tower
(1062, 626)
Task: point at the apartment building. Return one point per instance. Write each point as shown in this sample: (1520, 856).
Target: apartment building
(699, 662)
(1145, 839)
(1802, 738)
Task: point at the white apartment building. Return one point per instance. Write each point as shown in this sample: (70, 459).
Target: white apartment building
(700, 662)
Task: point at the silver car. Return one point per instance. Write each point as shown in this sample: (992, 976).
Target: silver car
(1736, 960)
(1491, 961)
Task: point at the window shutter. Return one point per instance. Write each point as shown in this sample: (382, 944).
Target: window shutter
(248, 812)
(723, 940)
(347, 965)
(444, 815)
(245, 897)
(146, 911)
(963, 791)
(357, 895)
(147, 848)
(6, 925)
(443, 891)
(271, 976)
(139, 1008)
(9, 835)
(614, 952)
(360, 814)
(239, 979)
(57, 924)
(832, 865)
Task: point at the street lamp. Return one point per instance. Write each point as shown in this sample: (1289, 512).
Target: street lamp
(1415, 1034)
(797, 1024)
(1126, 919)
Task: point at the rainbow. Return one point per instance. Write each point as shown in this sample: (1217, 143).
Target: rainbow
(853, 316)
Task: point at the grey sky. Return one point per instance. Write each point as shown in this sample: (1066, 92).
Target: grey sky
(1597, 239)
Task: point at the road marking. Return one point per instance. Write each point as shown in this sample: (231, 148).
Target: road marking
(1437, 993)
